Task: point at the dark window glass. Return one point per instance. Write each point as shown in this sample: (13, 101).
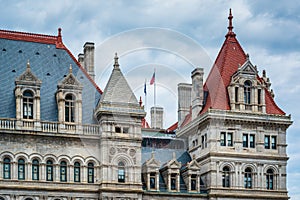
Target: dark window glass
(152, 180)
(252, 141)
(236, 95)
(259, 96)
(229, 139)
(226, 177)
(27, 105)
(121, 172)
(21, 169)
(49, 170)
(63, 171)
(223, 139)
(194, 182)
(245, 140)
(35, 169)
(6, 168)
(248, 178)
(69, 108)
(173, 181)
(270, 179)
(267, 142)
(90, 173)
(247, 92)
(273, 142)
(76, 172)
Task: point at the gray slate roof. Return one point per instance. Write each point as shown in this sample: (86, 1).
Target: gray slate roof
(48, 64)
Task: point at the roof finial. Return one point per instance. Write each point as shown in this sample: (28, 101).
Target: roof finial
(28, 64)
(116, 65)
(230, 27)
(140, 102)
(70, 69)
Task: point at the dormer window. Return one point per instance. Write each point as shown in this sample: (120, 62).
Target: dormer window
(27, 105)
(69, 108)
(247, 92)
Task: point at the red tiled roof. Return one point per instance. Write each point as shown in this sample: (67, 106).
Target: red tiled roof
(230, 57)
(173, 127)
(45, 39)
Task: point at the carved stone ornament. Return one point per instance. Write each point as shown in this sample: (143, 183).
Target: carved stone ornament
(112, 150)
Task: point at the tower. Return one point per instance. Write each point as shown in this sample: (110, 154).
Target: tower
(120, 115)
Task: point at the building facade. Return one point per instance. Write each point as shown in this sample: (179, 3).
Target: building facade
(64, 138)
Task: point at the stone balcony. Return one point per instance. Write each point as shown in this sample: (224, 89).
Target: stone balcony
(45, 127)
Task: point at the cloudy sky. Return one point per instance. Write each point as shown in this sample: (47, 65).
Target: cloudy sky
(174, 37)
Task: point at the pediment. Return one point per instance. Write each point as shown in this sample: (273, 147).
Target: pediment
(174, 164)
(193, 165)
(28, 77)
(248, 68)
(70, 79)
(152, 163)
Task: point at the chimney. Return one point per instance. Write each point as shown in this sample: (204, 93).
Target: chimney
(197, 91)
(88, 51)
(81, 59)
(157, 114)
(184, 101)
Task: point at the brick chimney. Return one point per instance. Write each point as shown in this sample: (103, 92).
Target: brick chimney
(197, 91)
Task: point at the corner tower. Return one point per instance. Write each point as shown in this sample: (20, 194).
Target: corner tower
(120, 116)
(242, 132)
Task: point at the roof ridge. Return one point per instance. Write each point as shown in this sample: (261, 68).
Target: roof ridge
(33, 37)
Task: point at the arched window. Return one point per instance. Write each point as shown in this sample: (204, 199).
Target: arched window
(27, 105)
(49, 170)
(270, 179)
(76, 172)
(63, 171)
(21, 169)
(226, 177)
(69, 108)
(90, 172)
(6, 168)
(248, 178)
(35, 169)
(247, 92)
(121, 172)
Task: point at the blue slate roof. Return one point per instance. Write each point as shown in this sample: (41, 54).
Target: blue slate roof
(49, 64)
(165, 155)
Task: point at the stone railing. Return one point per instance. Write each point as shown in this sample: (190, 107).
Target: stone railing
(49, 127)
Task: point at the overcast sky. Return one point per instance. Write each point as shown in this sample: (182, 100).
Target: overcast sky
(174, 37)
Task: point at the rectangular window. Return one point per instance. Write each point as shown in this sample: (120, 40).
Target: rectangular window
(273, 142)
(267, 142)
(229, 139)
(204, 141)
(223, 139)
(259, 96)
(226, 139)
(173, 181)
(35, 172)
(245, 140)
(194, 182)
(236, 95)
(252, 141)
(152, 181)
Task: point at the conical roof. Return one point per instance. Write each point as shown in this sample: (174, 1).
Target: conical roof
(117, 96)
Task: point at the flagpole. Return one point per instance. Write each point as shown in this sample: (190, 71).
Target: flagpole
(155, 100)
(145, 92)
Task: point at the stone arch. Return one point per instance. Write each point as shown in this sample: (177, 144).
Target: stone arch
(91, 159)
(51, 157)
(230, 165)
(64, 158)
(77, 159)
(251, 166)
(37, 156)
(122, 157)
(21, 155)
(8, 154)
(273, 167)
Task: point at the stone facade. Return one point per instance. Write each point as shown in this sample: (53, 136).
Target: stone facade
(62, 138)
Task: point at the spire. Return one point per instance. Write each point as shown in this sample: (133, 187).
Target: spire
(230, 27)
(28, 64)
(141, 102)
(70, 69)
(116, 64)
